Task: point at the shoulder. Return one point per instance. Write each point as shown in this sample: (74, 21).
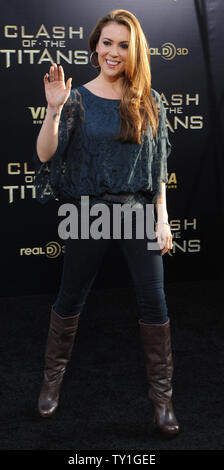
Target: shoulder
(73, 107)
(155, 94)
(159, 103)
(75, 97)
(75, 92)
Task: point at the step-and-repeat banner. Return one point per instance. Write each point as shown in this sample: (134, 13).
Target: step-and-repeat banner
(186, 47)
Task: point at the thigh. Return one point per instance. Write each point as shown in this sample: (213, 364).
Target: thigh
(146, 266)
(82, 260)
(144, 261)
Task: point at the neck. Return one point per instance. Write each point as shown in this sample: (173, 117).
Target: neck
(113, 82)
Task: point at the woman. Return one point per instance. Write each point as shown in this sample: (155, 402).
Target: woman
(108, 139)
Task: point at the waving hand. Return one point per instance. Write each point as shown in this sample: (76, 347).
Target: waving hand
(56, 91)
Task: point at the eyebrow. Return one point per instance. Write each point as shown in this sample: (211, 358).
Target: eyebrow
(112, 40)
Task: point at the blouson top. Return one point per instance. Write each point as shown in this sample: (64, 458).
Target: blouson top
(88, 162)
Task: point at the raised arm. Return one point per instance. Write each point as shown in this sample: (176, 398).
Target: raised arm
(57, 93)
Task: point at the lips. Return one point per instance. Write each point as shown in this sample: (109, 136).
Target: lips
(111, 63)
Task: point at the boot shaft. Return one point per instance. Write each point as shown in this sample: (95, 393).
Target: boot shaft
(159, 365)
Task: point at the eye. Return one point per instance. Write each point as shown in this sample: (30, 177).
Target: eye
(124, 46)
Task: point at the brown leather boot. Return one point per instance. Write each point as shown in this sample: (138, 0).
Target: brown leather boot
(159, 366)
(59, 346)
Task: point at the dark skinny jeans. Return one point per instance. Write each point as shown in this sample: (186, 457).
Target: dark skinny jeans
(82, 261)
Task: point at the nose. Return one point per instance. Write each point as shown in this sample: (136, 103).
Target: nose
(113, 51)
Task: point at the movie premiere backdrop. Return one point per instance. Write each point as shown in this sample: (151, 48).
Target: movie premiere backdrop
(186, 45)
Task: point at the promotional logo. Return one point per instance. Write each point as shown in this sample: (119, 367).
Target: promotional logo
(23, 45)
(50, 250)
(23, 186)
(169, 51)
(38, 114)
(182, 111)
(172, 181)
(185, 240)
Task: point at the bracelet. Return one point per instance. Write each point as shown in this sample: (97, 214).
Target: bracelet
(166, 223)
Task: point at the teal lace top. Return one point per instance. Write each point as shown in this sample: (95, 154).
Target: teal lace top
(88, 162)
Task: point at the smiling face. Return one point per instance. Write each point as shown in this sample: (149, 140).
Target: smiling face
(112, 49)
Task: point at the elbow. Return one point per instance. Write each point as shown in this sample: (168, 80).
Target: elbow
(40, 158)
(43, 157)
(44, 154)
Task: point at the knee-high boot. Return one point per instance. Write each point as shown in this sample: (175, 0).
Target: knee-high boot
(159, 365)
(61, 335)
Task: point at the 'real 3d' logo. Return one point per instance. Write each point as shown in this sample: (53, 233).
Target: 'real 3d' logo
(169, 51)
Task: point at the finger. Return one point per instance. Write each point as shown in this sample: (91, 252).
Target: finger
(161, 241)
(168, 241)
(170, 244)
(166, 245)
(46, 76)
(51, 73)
(61, 76)
(161, 245)
(69, 84)
(55, 72)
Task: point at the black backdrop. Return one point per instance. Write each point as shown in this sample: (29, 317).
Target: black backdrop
(186, 45)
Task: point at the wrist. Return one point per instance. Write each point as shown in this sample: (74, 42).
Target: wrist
(54, 109)
(162, 219)
(161, 212)
(165, 223)
(54, 113)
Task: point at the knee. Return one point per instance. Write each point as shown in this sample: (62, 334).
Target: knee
(68, 304)
(153, 306)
